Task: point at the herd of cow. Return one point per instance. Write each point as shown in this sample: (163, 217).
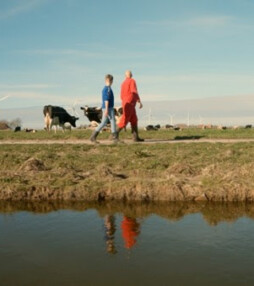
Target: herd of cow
(58, 116)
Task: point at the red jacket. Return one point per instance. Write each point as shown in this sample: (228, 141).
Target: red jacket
(129, 91)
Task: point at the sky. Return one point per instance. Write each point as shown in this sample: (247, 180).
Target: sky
(58, 51)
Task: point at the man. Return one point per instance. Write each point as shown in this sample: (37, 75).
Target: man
(129, 97)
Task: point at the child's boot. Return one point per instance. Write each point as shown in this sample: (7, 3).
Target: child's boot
(115, 137)
(118, 131)
(94, 136)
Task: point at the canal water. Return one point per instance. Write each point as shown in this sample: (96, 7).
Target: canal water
(119, 244)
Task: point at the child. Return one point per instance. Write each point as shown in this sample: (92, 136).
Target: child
(107, 109)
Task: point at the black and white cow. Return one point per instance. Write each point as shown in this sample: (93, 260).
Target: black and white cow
(151, 128)
(94, 114)
(58, 116)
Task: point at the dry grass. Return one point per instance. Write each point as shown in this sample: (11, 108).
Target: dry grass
(214, 172)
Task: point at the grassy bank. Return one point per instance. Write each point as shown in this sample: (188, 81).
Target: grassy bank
(159, 172)
(161, 134)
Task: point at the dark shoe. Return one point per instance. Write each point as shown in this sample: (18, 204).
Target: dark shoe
(136, 138)
(115, 138)
(94, 136)
(117, 132)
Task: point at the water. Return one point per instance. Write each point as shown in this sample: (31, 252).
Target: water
(117, 244)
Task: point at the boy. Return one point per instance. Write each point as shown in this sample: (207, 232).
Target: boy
(107, 109)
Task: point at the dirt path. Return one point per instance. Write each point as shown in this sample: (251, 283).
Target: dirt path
(108, 142)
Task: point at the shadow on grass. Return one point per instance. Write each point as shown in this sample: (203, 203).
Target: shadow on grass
(158, 140)
(194, 137)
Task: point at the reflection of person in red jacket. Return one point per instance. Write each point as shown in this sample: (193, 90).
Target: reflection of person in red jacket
(130, 231)
(129, 97)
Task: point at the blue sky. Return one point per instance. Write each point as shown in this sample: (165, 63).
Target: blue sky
(58, 51)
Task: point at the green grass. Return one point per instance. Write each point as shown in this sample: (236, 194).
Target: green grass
(162, 134)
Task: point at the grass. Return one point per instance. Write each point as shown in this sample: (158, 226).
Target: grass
(159, 171)
(162, 134)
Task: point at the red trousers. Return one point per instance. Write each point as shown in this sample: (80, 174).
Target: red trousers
(129, 115)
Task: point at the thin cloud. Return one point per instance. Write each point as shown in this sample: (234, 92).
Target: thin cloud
(28, 95)
(26, 86)
(63, 52)
(32, 98)
(200, 22)
(21, 6)
(199, 78)
(210, 21)
(81, 53)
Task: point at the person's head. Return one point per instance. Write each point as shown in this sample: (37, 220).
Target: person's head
(128, 74)
(108, 79)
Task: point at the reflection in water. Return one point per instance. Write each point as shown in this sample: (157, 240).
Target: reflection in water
(130, 231)
(67, 247)
(110, 229)
(213, 213)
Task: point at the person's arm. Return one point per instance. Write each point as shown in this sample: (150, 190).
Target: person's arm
(134, 91)
(106, 108)
(106, 100)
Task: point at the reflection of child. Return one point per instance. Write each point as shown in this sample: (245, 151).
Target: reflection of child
(110, 229)
(130, 231)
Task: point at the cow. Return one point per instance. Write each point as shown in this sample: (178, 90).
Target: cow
(220, 127)
(28, 130)
(17, 129)
(150, 128)
(57, 116)
(118, 113)
(94, 114)
(169, 126)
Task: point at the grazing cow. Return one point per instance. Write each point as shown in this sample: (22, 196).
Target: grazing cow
(30, 130)
(248, 126)
(94, 114)
(17, 129)
(57, 116)
(220, 127)
(169, 126)
(118, 113)
(150, 128)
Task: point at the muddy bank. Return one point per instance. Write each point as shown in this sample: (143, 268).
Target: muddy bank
(204, 172)
(33, 181)
(132, 192)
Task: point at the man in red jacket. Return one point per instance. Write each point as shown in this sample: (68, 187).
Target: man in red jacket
(129, 97)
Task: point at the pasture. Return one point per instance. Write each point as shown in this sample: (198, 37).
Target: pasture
(162, 134)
